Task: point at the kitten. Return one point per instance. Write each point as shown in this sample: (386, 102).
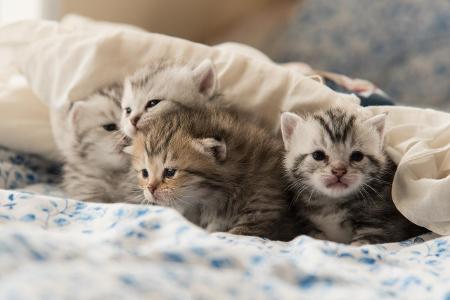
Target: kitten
(208, 160)
(152, 87)
(343, 178)
(96, 167)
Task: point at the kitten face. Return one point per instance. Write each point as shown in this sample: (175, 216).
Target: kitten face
(151, 91)
(178, 175)
(333, 153)
(95, 135)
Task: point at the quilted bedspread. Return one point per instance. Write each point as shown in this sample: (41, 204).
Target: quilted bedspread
(52, 247)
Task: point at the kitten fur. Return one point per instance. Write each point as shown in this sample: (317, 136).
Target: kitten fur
(342, 177)
(158, 84)
(96, 168)
(226, 170)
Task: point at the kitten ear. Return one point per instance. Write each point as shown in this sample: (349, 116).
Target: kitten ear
(205, 78)
(128, 150)
(377, 121)
(289, 122)
(212, 147)
(75, 111)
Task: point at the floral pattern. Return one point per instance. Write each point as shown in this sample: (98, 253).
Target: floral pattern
(19, 170)
(58, 248)
(402, 46)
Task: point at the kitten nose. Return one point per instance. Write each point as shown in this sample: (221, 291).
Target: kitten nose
(135, 120)
(152, 188)
(339, 172)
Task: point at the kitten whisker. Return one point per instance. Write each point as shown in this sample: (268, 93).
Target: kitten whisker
(135, 200)
(298, 194)
(310, 196)
(293, 184)
(372, 200)
(362, 196)
(381, 181)
(375, 191)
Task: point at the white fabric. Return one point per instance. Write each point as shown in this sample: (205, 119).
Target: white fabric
(418, 140)
(55, 248)
(24, 119)
(66, 62)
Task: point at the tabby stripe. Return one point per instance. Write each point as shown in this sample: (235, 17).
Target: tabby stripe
(340, 126)
(113, 92)
(298, 160)
(137, 83)
(213, 181)
(373, 160)
(326, 127)
(348, 127)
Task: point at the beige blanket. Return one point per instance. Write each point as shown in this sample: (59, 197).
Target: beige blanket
(66, 61)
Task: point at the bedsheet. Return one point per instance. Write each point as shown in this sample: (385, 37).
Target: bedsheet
(52, 247)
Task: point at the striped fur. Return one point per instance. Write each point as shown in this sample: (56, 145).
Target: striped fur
(166, 83)
(228, 172)
(357, 207)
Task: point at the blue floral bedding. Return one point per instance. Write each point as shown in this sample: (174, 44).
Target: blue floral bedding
(52, 247)
(402, 46)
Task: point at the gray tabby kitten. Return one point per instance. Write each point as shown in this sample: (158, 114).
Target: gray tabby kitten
(208, 159)
(96, 168)
(343, 178)
(152, 87)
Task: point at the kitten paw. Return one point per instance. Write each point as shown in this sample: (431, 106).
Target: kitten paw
(359, 243)
(238, 231)
(320, 236)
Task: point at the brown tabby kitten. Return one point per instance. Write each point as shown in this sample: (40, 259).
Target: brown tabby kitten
(209, 161)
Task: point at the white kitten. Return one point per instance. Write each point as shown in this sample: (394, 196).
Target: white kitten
(156, 88)
(96, 167)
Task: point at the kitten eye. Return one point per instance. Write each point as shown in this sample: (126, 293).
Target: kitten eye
(128, 110)
(169, 173)
(356, 156)
(110, 127)
(144, 173)
(319, 155)
(152, 103)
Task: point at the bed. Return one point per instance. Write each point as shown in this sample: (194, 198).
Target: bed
(52, 247)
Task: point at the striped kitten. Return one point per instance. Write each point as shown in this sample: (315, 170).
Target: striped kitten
(153, 86)
(343, 178)
(96, 167)
(210, 161)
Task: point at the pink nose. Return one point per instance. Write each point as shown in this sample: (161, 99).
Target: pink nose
(135, 120)
(339, 172)
(152, 188)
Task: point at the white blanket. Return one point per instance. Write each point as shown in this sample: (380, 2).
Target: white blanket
(66, 61)
(54, 248)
